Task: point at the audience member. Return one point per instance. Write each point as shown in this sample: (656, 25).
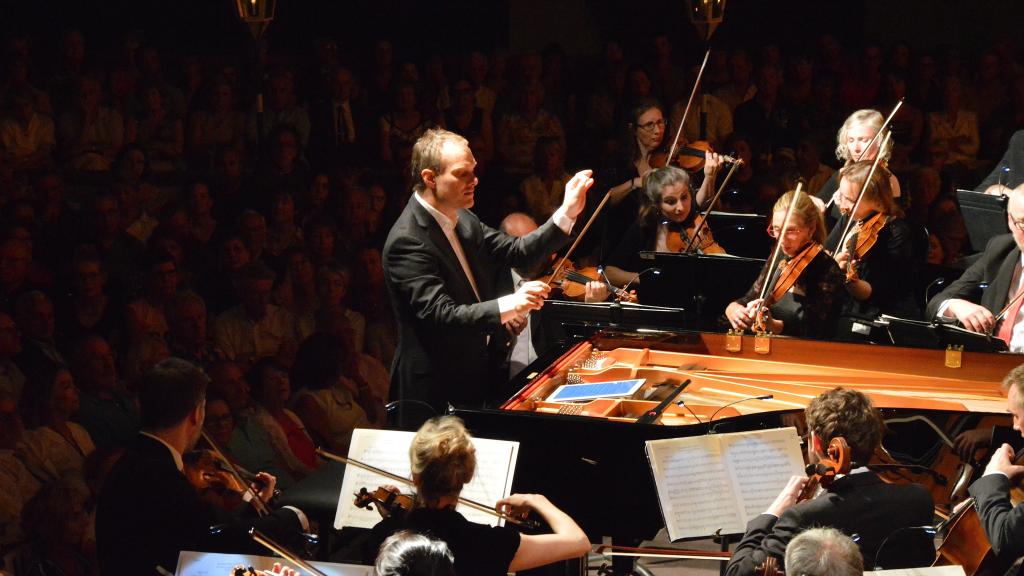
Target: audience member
(47, 406)
(18, 481)
(107, 411)
(255, 328)
(288, 436)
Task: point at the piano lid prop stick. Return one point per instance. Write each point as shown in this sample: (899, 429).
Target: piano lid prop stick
(651, 416)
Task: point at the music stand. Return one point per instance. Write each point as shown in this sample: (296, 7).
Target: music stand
(702, 284)
(984, 216)
(920, 334)
(740, 234)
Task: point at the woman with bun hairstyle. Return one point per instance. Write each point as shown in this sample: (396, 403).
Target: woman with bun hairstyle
(443, 461)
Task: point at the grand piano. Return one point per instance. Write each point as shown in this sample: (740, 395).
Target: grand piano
(589, 458)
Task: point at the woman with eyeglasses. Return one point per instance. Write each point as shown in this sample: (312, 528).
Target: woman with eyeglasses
(668, 222)
(811, 307)
(881, 253)
(646, 132)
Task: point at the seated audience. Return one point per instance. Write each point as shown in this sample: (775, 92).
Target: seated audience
(107, 411)
(18, 481)
(57, 526)
(255, 328)
(272, 391)
(47, 406)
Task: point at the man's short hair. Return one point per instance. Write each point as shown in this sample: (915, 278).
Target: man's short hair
(426, 153)
(1015, 379)
(847, 413)
(169, 391)
(823, 552)
(255, 272)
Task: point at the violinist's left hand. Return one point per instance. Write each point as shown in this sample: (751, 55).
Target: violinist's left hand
(281, 570)
(712, 163)
(595, 291)
(575, 198)
(788, 496)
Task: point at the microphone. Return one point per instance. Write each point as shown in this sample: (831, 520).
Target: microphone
(711, 428)
(683, 403)
(652, 270)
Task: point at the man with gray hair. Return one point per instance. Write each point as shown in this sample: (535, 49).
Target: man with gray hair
(823, 552)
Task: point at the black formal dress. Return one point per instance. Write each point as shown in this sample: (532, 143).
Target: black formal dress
(446, 343)
(995, 268)
(861, 504)
(479, 549)
(811, 309)
(148, 512)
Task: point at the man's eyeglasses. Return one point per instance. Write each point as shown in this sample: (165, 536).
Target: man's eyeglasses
(1018, 224)
(652, 125)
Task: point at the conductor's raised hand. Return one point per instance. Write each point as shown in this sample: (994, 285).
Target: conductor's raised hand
(530, 296)
(575, 198)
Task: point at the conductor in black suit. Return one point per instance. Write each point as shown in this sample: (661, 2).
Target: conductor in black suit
(440, 266)
(1000, 268)
(858, 503)
(148, 511)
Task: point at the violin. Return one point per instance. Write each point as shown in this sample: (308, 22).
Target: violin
(388, 502)
(214, 480)
(689, 157)
(838, 460)
(790, 272)
(679, 239)
(573, 282)
(861, 241)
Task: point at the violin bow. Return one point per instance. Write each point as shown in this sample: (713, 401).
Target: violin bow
(283, 552)
(872, 142)
(1002, 313)
(778, 245)
(860, 195)
(704, 220)
(471, 503)
(257, 503)
(689, 104)
(576, 242)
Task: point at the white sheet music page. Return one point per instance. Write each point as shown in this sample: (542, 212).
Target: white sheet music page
(389, 450)
(721, 481)
(214, 564)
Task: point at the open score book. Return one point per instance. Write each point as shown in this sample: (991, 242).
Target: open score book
(389, 450)
(721, 481)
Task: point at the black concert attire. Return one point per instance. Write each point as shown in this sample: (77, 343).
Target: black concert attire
(450, 338)
(890, 266)
(148, 512)
(859, 503)
(995, 268)
(1002, 521)
(479, 549)
(810, 309)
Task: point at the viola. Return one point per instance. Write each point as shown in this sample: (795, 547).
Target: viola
(861, 241)
(689, 157)
(389, 502)
(207, 474)
(838, 460)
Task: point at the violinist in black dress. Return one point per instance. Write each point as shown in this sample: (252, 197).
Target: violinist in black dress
(811, 305)
(668, 222)
(443, 460)
(880, 256)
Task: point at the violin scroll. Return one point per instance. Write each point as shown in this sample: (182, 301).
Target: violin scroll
(838, 460)
(388, 500)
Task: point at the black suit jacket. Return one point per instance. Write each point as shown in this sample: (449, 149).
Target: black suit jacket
(443, 351)
(325, 150)
(148, 512)
(995, 267)
(859, 504)
(1013, 159)
(1003, 522)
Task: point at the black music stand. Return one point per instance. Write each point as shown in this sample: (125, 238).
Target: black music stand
(919, 334)
(702, 284)
(740, 234)
(984, 216)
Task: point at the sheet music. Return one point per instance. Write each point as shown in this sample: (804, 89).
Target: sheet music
(389, 450)
(721, 481)
(213, 564)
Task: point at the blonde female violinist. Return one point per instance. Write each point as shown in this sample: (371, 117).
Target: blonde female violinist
(878, 254)
(810, 306)
(668, 222)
